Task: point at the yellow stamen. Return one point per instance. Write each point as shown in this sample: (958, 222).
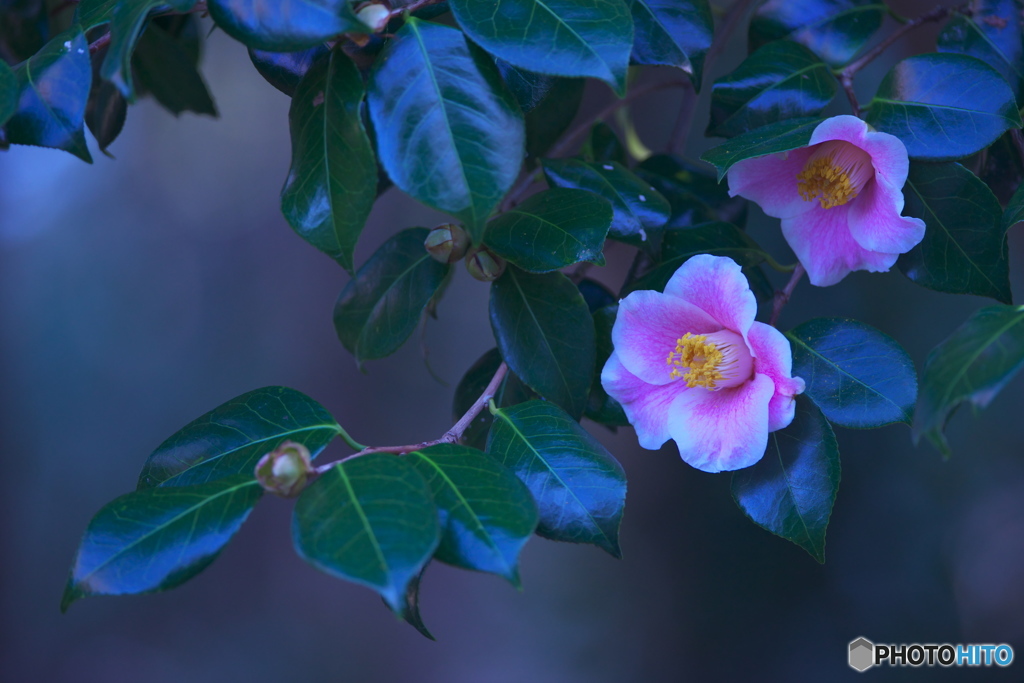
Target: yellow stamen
(701, 358)
(834, 174)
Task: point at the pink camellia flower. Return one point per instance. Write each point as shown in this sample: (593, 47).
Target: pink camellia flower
(692, 365)
(840, 198)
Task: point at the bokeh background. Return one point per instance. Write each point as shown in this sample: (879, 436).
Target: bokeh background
(138, 293)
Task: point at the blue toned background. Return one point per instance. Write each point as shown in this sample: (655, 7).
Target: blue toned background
(139, 293)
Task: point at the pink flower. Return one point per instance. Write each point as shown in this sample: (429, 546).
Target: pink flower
(840, 198)
(692, 365)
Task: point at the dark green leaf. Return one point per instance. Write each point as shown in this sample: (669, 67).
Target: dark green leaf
(859, 377)
(579, 487)
(943, 106)
(284, 70)
(332, 183)
(159, 538)
(694, 195)
(370, 520)
(1015, 209)
(545, 334)
(472, 385)
(53, 91)
(771, 139)
(672, 33)
(782, 80)
(964, 246)
(486, 513)
(381, 306)
(603, 145)
(992, 32)
(164, 68)
(834, 29)
(972, 365)
(106, 109)
(601, 407)
(284, 25)
(8, 92)
(24, 28)
(231, 438)
(92, 13)
(558, 37)
(639, 211)
(448, 131)
(410, 608)
(1002, 167)
(546, 123)
(791, 490)
(527, 87)
(552, 229)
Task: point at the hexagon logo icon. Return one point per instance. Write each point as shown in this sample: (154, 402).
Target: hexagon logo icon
(862, 654)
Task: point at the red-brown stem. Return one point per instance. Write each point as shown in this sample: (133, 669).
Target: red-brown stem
(782, 298)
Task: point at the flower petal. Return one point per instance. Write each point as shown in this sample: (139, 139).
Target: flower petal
(770, 181)
(646, 405)
(722, 430)
(822, 241)
(775, 359)
(844, 127)
(647, 327)
(716, 285)
(876, 224)
(888, 156)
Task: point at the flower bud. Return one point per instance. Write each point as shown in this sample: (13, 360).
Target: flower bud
(285, 470)
(374, 16)
(484, 265)
(447, 243)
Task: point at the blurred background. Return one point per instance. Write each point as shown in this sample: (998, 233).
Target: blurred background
(138, 293)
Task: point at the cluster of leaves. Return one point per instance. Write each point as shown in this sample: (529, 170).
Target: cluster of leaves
(461, 105)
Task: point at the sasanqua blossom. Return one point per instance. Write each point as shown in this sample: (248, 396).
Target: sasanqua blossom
(840, 198)
(692, 365)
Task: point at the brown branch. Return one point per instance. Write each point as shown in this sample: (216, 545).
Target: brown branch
(782, 298)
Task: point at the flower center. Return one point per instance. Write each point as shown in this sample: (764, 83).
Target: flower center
(714, 361)
(834, 174)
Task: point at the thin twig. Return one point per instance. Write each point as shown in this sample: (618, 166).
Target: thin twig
(782, 298)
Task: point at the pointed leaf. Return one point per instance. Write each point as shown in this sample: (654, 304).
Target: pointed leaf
(284, 25)
(972, 365)
(858, 376)
(545, 334)
(370, 520)
(486, 513)
(993, 32)
(231, 438)
(579, 487)
(284, 70)
(559, 37)
(964, 247)
(448, 131)
(332, 183)
(381, 306)
(834, 29)
(8, 92)
(409, 610)
(164, 67)
(672, 33)
(106, 109)
(791, 490)
(472, 385)
(159, 538)
(771, 139)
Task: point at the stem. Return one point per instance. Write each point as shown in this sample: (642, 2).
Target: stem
(782, 298)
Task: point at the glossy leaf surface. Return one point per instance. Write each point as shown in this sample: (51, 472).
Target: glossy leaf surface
(672, 33)
(971, 366)
(545, 334)
(964, 247)
(579, 487)
(993, 33)
(231, 438)
(284, 25)
(155, 539)
(284, 70)
(380, 307)
(332, 183)
(834, 29)
(771, 139)
(858, 376)
(694, 195)
(370, 520)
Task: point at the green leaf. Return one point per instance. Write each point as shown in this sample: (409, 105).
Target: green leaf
(410, 608)
(381, 306)
(791, 490)
(672, 33)
(164, 67)
(545, 334)
(638, 210)
(472, 385)
(106, 110)
(8, 93)
(370, 520)
(718, 239)
(580, 489)
(551, 230)
(1002, 167)
(231, 438)
(1015, 209)
(601, 407)
(284, 25)
(332, 183)
(782, 80)
(771, 139)
(694, 195)
(964, 248)
(558, 37)
(834, 29)
(991, 32)
(92, 13)
(53, 90)
(284, 70)
(448, 131)
(972, 365)
(527, 87)
(858, 376)
(546, 122)
(155, 539)
(943, 106)
(486, 513)
(603, 145)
